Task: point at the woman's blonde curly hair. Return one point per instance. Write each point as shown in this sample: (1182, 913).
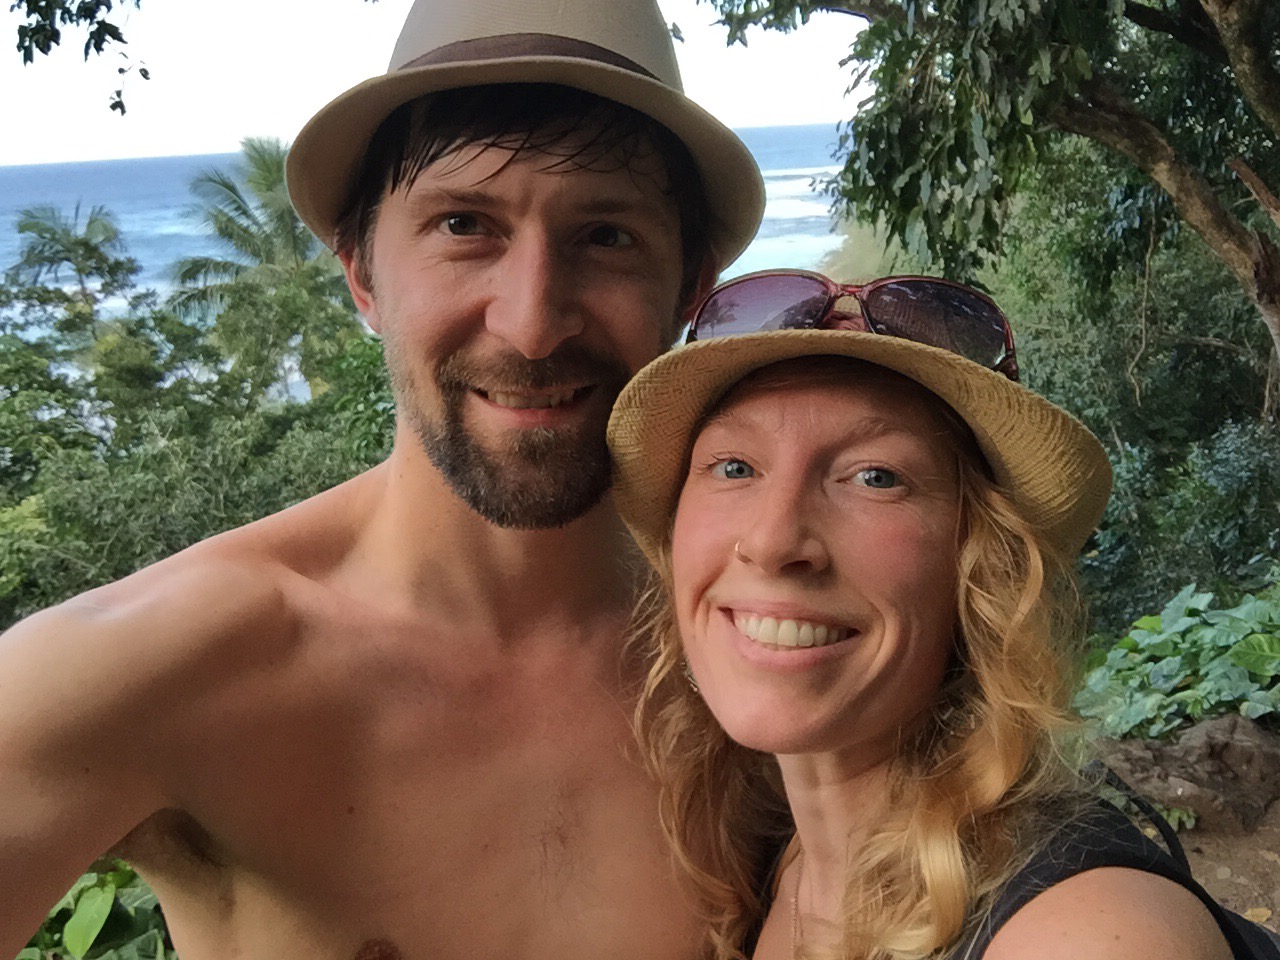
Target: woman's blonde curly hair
(970, 790)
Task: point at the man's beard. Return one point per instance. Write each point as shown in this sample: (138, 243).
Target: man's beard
(545, 477)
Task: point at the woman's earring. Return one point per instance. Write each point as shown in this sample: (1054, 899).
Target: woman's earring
(688, 675)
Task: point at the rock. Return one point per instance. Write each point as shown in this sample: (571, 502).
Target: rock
(1227, 770)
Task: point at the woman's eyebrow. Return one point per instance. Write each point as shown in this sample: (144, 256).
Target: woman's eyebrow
(866, 427)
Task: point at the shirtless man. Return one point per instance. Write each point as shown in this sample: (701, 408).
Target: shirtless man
(392, 721)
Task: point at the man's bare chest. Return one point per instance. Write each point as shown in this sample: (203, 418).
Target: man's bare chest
(425, 795)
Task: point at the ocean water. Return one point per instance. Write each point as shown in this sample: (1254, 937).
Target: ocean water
(153, 205)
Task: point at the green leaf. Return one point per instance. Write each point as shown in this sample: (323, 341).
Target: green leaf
(1083, 66)
(86, 923)
(1175, 615)
(984, 69)
(1258, 653)
(1253, 710)
(69, 901)
(1166, 674)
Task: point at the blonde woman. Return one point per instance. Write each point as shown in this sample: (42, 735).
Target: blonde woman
(860, 644)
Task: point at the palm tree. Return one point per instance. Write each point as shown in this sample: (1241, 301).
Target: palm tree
(94, 254)
(261, 235)
(276, 296)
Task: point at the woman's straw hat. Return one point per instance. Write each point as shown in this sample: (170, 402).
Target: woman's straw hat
(1049, 462)
(617, 49)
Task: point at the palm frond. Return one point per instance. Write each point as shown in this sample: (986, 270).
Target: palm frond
(193, 271)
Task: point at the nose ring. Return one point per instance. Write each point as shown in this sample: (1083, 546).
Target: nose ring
(738, 552)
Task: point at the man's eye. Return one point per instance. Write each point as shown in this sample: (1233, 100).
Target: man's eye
(606, 235)
(462, 224)
(733, 470)
(878, 478)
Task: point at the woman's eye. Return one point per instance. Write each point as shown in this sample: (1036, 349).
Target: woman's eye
(878, 478)
(462, 224)
(606, 235)
(733, 470)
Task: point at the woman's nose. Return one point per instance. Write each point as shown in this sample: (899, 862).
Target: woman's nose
(784, 536)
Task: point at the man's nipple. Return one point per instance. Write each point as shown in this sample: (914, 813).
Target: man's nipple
(379, 950)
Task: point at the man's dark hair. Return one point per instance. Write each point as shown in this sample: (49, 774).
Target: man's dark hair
(575, 129)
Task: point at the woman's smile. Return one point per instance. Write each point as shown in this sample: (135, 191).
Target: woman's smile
(788, 633)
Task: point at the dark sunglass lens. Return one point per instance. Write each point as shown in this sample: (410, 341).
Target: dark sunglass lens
(940, 315)
(756, 304)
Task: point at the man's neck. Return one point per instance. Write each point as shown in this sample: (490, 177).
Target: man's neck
(434, 552)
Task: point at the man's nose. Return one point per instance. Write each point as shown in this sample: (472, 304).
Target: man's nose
(534, 308)
(785, 535)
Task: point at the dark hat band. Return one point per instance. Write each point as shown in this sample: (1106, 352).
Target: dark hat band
(515, 45)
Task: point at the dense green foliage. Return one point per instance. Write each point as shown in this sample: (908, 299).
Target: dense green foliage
(110, 914)
(1157, 350)
(1195, 660)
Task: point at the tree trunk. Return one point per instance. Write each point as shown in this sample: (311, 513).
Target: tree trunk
(1267, 282)
(1239, 25)
(1105, 116)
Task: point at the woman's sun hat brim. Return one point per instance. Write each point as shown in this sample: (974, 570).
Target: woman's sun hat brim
(1048, 462)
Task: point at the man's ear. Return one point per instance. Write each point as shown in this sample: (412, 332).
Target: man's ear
(707, 275)
(361, 293)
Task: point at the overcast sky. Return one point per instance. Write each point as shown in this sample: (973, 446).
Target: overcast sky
(222, 70)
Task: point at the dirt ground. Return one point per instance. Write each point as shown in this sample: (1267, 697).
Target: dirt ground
(1241, 870)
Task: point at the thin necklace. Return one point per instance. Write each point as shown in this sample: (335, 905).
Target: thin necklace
(795, 908)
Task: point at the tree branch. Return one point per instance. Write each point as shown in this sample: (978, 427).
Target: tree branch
(1266, 199)
(1240, 27)
(1214, 343)
(1109, 118)
(1186, 31)
(871, 10)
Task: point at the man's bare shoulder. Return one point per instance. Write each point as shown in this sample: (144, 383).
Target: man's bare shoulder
(198, 617)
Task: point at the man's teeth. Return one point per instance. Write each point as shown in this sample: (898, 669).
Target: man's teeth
(525, 401)
(788, 633)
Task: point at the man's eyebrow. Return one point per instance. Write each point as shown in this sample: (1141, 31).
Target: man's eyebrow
(459, 196)
(601, 205)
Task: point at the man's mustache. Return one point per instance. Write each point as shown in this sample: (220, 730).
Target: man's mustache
(570, 366)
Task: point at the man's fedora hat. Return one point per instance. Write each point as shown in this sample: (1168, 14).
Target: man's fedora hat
(1044, 458)
(617, 49)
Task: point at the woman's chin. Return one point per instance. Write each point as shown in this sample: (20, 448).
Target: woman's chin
(771, 733)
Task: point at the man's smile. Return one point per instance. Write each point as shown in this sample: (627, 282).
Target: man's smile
(533, 400)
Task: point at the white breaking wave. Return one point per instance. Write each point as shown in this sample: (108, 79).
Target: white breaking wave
(789, 209)
(826, 171)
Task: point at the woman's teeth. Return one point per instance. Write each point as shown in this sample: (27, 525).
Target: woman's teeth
(525, 401)
(788, 633)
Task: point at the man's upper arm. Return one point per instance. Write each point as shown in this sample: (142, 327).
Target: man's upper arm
(73, 777)
(1111, 913)
(92, 695)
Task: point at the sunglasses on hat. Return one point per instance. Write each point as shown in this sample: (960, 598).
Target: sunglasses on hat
(926, 310)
